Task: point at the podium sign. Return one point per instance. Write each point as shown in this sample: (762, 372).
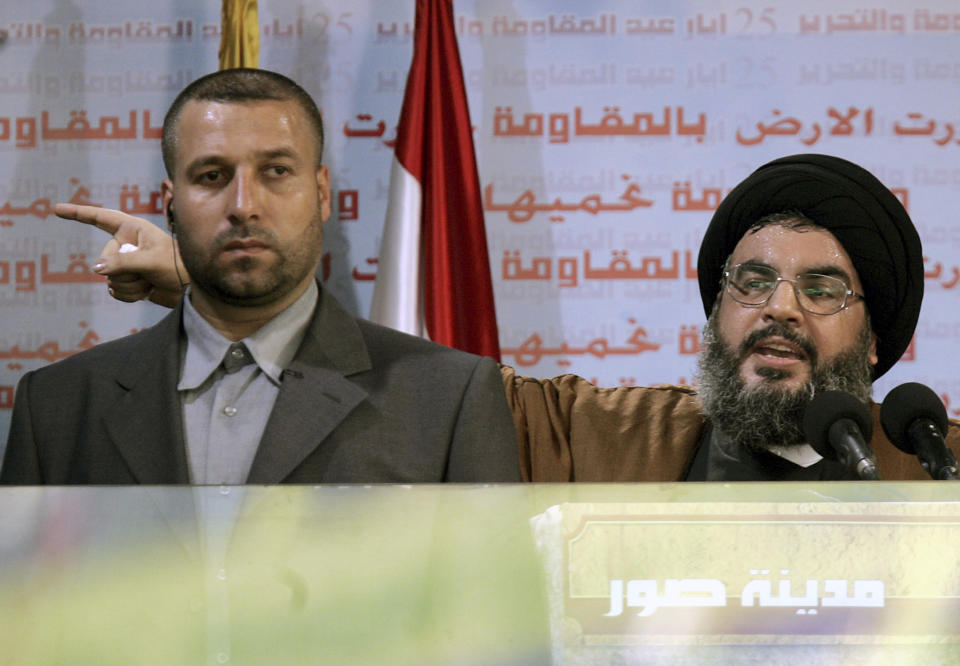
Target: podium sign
(631, 576)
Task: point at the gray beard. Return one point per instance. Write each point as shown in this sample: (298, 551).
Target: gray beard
(770, 414)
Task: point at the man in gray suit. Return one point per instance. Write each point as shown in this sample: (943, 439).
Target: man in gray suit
(258, 376)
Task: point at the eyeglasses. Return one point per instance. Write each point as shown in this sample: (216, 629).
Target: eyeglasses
(751, 284)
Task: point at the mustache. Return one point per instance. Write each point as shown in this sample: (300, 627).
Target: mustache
(244, 232)
(779, 330)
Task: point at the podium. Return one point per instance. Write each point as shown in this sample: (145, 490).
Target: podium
(833, 573)
(844, 572)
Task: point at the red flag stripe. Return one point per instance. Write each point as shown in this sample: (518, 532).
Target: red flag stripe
(435, 144)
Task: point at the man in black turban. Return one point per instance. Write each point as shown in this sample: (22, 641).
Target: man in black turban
(858, 210)
(848, 249)
(852, 264)
(853, 267)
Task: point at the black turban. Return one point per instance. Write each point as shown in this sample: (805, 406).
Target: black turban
(867, 219)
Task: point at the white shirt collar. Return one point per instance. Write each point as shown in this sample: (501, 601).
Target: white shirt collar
(803, 455)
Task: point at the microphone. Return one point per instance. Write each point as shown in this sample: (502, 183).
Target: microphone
(838, 427)
(915, 420)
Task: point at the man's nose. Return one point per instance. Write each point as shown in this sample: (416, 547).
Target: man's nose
(244, 200)
(783, 305)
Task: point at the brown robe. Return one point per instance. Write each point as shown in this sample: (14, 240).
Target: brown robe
(570, 430)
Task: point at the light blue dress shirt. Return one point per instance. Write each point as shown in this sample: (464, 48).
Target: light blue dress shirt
(227, 389)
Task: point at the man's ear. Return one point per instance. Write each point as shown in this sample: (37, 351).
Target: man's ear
(166, 192)
(872, 354)
(323, 192)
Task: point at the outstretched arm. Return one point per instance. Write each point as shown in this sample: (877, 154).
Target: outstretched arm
(140, 260)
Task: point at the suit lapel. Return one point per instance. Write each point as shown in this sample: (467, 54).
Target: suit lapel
(145, 424)
(316, 394)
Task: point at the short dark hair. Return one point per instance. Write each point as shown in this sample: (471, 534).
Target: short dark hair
(239, 85)
(788, 219)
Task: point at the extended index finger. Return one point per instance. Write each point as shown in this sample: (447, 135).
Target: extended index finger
(105, 219)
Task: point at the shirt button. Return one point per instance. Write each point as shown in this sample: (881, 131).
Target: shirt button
(230, 411)
(223, 657)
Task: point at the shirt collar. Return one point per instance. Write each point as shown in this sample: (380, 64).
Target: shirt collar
(803, 455)
(272, 346)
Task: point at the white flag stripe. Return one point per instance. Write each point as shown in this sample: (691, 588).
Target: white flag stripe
(396, 294)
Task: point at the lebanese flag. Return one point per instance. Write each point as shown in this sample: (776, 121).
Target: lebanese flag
(433, 272)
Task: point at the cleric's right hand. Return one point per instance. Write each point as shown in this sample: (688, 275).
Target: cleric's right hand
(139, 261)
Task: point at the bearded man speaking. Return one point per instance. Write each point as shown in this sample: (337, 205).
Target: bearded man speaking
(811, 275)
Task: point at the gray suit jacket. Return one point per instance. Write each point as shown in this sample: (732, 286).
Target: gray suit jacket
(360, 403)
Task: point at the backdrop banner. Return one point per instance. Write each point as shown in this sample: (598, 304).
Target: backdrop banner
(606, 134)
